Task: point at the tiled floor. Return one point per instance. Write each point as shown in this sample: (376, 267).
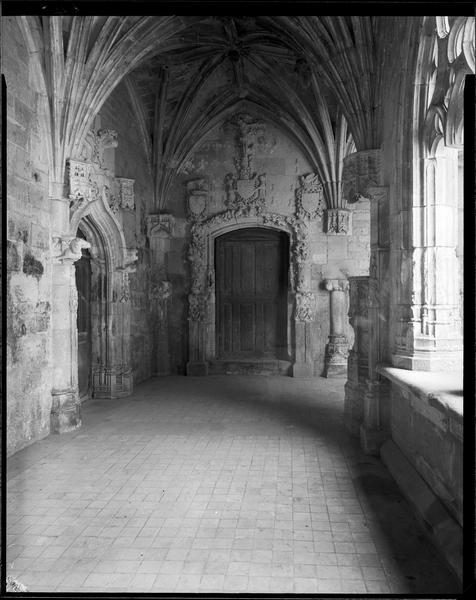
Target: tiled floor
(218, 484)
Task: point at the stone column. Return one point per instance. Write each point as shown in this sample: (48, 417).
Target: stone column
(337, 349)
(65, 408)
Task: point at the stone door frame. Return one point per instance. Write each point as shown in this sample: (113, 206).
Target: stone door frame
(111, 264)
(202, 297)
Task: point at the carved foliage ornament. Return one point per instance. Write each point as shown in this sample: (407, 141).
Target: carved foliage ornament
(309, 197)
(197, 304)
(338, 221)
(305, 307)
(95, 144)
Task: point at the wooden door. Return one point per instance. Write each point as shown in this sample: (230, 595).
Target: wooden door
(83, 285)
(251, 285)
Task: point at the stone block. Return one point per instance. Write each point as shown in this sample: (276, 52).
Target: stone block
(303, 370)
(337, 247)
(197, 369)
(442, 529)
(65, 411)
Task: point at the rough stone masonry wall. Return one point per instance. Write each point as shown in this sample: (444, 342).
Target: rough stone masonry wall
(28, 274)
(277, 156)
(131, 162)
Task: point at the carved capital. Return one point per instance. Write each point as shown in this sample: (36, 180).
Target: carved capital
(337, 285)
(160, 225)
(309, 197)
(338, 221)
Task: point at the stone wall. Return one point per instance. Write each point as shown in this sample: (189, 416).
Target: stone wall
(29, 365)
(30, 313)
(432, 442)
(331, 256)
(130, 162)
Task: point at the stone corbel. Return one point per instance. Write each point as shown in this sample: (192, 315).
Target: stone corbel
(162, 225)
(338, 221)
(68, 250)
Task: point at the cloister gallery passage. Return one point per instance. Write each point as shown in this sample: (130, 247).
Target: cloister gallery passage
(235, 289)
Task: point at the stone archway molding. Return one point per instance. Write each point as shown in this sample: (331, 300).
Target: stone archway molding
(96, 201)
(201, 300)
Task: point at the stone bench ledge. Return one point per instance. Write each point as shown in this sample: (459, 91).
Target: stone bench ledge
(443, 391)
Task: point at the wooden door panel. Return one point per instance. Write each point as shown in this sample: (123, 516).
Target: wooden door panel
(246, 318)
(247, 270)
(251, 287)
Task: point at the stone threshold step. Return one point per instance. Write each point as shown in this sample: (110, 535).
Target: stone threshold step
(257, 366)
